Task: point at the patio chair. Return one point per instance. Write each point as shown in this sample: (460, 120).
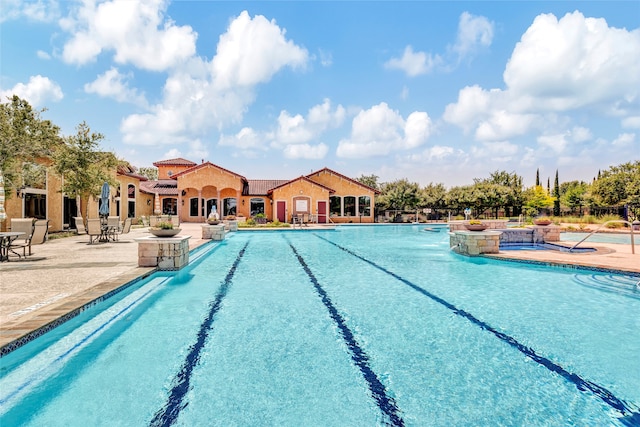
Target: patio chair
(40, 232)
(26, 226)
(126, 227)
(94, 229)
(113, 227)
(79, 225)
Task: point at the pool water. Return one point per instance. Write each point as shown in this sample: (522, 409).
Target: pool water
(602, 237)
(361, 326)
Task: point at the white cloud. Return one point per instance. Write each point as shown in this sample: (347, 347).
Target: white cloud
(37, 92)
(245, 139)
(39, 10)
(624, 140)
(558, 142)
(113, 84)
(298, 129)
(380, 130)
(306, 151)
(632, 122)
(199, 96)
(473, 32)
(573, 62)
(252, 51)
(43, 55)
(503, 125)
(136, 31)
(413, 63)
(580, 134)
(326, 58)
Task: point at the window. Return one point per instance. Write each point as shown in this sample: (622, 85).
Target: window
(131, 205)
(364, 205)
(229, 206)
(35, 205)
(193, 206)
(170, 206)
(335, 205)
(131, 191)
(257, 206)
(349, 206)
(209, 206)
(132, 209)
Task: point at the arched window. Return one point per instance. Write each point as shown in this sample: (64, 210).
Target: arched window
(170, 206)
(209, 206)
(364, 205)
(229, 206)
(257, 206)
(349, 206)
(335, 206)
(131, 201)
(193, 206)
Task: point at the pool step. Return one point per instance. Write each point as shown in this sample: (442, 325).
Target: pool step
(614, 283)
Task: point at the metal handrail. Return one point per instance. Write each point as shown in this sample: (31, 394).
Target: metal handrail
(633, 249)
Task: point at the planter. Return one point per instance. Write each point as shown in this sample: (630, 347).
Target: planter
(213, 222)
(260, 220)
(161, 232)
(542, 221)
(475, 227)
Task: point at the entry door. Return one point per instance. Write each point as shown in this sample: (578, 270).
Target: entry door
(322, 212)
(281, 210)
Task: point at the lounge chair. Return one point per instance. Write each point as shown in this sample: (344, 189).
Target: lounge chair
(26, 226)
(80, 225)
(94, 229)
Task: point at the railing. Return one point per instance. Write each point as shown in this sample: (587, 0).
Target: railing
(633, 250)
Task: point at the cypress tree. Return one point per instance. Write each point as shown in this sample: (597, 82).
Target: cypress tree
(537, 177)
(556, 196)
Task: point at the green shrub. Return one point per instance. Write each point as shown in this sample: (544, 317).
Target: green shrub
(164, 225)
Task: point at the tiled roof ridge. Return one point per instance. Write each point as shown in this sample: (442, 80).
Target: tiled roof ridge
(344, 177)
(176, 161)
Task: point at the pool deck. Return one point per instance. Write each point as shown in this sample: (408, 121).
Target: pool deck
(65, 274)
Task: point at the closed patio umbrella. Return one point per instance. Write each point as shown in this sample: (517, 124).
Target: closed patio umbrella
(3, 215)
(156, 205)
(104, 201)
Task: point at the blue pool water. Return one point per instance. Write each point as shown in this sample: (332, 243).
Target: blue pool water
(602, 237)
(362, 326)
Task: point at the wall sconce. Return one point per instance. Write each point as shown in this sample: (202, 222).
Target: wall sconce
(184, 193)
(242, 202)
(183, 203)
(148, 202)
(271, 201)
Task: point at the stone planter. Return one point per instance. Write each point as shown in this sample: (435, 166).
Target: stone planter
(475, 227)
(161, 232)
(542, 221)
(213, 222)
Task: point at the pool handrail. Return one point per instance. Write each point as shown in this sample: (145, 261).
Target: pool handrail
(633, 249)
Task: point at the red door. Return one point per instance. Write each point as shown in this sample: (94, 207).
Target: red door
(322, 212)
(281, 210)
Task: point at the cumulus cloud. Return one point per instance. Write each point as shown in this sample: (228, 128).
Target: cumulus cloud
(245, 139)
(202, 95)
(380, 130)
(113, 84)
(624, 140)
(556, 60)
(631, 122)
(135, 31)
(474, 32)
(43, 55)
(306, 151)
(413, 63)
(558, 66)
(38, 91)
(252, 51)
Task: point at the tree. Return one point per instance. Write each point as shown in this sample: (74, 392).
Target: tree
(433, 196)
(369, 181)
(399, 195)
(149, 173)
(24, 137)
(537, 198)
(619, 186)
(511, 194)
(556, 196)
(573, 194)
(537, 177)
(84, 168)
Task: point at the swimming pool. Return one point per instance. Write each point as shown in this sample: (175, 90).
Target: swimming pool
(604, 237)
(362, 326)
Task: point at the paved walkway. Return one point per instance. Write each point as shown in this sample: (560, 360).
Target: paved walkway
(65, 274)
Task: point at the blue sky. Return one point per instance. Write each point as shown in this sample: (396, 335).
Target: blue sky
(439, 92)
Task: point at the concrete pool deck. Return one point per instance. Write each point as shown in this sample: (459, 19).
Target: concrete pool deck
(65, 274)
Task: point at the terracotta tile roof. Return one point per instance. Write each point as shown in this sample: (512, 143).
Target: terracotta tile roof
(261, 187)
(332, 172)
(164, 187)
(179, 161)
(303, 178)
(205, 164)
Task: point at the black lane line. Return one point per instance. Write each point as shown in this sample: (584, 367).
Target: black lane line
(168, 414)
(630, 411)
(358, 355)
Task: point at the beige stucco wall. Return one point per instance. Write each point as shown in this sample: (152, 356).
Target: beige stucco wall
(299, 190)
(344, 187)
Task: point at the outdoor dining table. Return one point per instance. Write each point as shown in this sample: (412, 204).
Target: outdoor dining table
(6, 237)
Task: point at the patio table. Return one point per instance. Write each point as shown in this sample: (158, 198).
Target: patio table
(6, 237)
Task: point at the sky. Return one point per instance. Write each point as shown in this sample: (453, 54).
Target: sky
(431, 91)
